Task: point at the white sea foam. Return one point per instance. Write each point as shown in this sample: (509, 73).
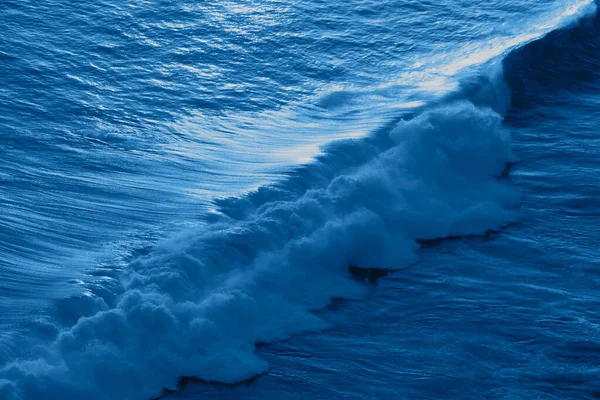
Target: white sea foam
(198, 303)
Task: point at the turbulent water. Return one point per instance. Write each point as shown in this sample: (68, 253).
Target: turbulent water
(270, 199)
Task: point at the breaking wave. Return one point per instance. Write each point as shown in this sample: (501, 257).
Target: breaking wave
(199, 302)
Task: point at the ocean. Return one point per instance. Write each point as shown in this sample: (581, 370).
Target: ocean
(269, 199)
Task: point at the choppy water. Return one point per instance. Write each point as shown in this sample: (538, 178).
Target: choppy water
(181, 182)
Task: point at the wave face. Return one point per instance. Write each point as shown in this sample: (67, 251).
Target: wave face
(304, 146)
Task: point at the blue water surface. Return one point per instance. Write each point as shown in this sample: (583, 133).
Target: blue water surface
(276, 199)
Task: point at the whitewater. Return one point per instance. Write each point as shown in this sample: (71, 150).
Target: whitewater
(165, 226)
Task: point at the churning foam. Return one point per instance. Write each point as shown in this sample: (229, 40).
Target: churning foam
(198, 303)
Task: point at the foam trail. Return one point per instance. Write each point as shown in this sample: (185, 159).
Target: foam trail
(198, 303)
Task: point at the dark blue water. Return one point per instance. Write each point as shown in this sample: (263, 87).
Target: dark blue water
(362, 200)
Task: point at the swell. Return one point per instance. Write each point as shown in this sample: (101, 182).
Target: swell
(197, 304)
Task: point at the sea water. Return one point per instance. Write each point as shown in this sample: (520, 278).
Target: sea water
(391, 199)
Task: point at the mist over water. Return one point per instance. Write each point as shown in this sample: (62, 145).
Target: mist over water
(181, 182)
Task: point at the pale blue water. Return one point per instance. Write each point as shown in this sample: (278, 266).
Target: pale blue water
(337, 200)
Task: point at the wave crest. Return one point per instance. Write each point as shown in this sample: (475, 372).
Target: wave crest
(197, 304)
